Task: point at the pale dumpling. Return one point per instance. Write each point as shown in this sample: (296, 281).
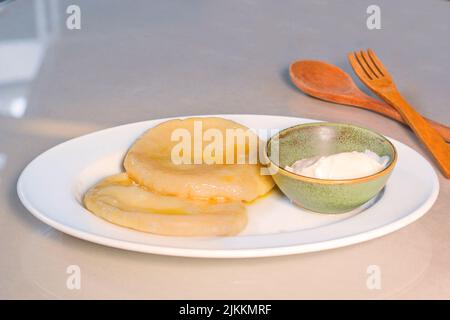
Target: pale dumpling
(150, 163)
(119, 200)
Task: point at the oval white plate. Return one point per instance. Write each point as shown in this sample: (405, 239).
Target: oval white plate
(52, 185)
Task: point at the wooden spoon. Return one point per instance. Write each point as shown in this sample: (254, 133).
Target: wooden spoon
(330, 83)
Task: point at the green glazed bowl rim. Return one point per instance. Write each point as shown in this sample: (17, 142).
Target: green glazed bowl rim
(296, 176)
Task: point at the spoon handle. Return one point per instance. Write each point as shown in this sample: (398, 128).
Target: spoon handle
(383, 108)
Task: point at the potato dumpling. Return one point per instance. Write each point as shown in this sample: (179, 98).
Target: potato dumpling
(119, 200)
(150, 161)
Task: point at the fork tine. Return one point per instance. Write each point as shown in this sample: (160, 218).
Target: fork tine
(380, 67)
(370, 64)
(359, 70)
(364, 65)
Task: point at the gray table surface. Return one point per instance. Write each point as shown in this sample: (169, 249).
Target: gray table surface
(152, 59)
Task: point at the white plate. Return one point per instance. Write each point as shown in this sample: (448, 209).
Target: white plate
(52, 185)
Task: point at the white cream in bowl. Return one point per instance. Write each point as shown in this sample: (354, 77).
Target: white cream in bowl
(344, 165)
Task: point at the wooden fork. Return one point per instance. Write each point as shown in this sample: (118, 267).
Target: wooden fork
(374, 75)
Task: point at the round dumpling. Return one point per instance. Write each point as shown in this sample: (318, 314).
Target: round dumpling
(119, 200)
(201, 158)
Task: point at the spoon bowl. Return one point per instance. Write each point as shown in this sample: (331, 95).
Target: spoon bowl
(322, 79)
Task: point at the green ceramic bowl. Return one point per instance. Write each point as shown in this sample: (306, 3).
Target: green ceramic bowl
(322, 139)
